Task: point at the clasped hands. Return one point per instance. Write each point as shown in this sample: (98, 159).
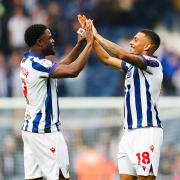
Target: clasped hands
(88, 26)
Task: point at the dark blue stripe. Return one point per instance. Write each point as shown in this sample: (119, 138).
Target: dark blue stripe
(129, 115)
(124, 67)
(152, 63)
(24, 59)
(148, 97)
(57, 126)
(138, 97)
(157, 117)
(36, 122)
(27, 122)
(48, 108)
(27, 54)
(23, 125)
(58, 112)
(124, 109)
(39, 67)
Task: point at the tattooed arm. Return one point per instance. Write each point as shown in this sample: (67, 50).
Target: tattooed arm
(120, 53)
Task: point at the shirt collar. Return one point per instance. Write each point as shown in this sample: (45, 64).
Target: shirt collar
(27, 54)
(153, 56)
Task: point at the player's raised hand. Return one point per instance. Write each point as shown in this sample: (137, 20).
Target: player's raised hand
(82, 20)
(88, 32)
(95, 33)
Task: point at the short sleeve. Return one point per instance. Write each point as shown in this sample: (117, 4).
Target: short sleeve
(150, 63)
(52, 69)
(44, 67)
(125, 66)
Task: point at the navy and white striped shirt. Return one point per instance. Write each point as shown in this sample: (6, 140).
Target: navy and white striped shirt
(142, 90)
(40, 92)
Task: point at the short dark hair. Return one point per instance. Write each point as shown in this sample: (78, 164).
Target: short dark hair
(34, 32)
(154, 37)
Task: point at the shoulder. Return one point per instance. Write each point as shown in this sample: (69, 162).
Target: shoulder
(125, 66)
(41, 62)
(151, 61)
(42, 65)
(45, 62)
(152, 64)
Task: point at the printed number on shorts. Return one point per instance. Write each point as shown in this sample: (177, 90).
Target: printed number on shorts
(143, 157)
(24, 87)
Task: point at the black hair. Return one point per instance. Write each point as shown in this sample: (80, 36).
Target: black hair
(154, 37)
(34, 32)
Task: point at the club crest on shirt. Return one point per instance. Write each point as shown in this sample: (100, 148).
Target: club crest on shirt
(129, 72)
(53, 149)
(152, 148)
(144, 168)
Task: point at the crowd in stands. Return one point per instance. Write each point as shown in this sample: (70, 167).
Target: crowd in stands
(117, 20)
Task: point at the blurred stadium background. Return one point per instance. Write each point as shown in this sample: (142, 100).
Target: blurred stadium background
(91, 105)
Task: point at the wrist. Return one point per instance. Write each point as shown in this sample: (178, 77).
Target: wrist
(81, 42)
(97, 36)
(89, 43)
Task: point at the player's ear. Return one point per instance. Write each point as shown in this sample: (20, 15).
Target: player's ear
(147, 47)
(39, 42)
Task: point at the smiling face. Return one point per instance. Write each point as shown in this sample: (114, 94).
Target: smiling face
(140, 44)
(47, 43)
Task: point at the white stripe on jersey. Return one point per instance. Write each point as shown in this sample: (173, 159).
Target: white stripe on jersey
(40, 91)
(142, 90)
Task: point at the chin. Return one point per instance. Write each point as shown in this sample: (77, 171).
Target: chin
(51, 53)
(132, 52)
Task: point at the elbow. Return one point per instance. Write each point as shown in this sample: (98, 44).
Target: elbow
(74, 73)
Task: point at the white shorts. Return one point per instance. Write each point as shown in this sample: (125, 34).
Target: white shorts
(45, 155)
(139, 151)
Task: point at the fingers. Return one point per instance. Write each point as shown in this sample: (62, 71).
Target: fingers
(92, 26)
(82, 20)
(87, 25)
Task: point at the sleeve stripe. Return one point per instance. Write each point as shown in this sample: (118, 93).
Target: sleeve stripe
(39, 67)
(150, 62)
(124, 67)
(52, 69)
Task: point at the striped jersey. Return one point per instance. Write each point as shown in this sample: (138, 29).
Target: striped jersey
(40, 92)
(142, 90)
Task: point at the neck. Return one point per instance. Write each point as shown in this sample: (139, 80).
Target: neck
(147, 53)
(36, 51)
